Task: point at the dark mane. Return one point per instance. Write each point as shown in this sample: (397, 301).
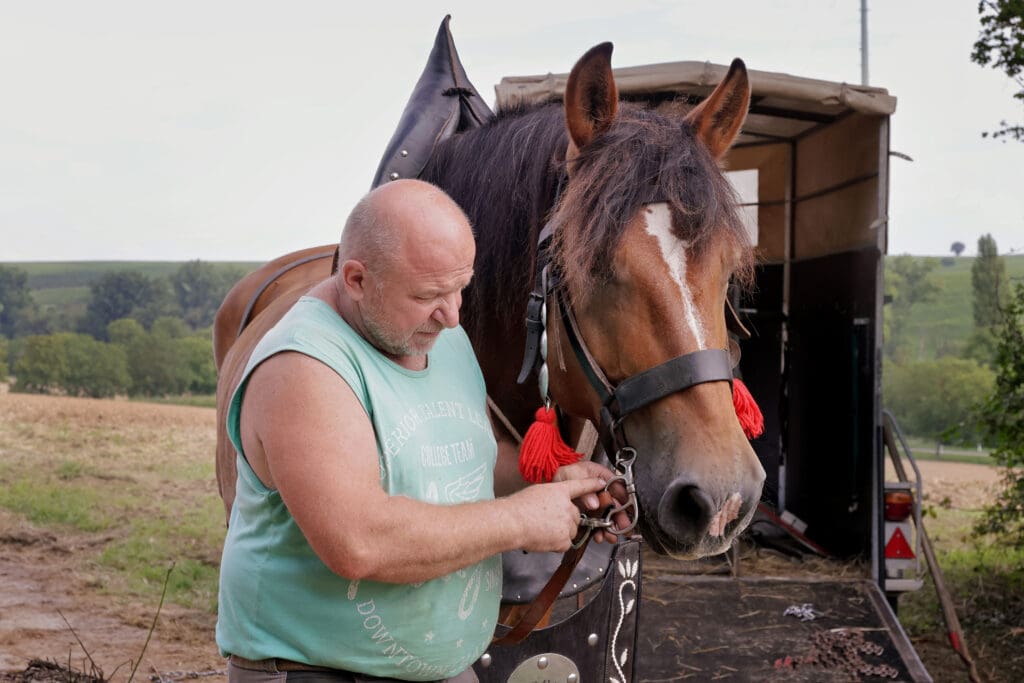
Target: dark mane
(642, 157)
(504, 176)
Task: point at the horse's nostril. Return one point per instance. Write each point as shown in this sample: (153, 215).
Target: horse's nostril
(685, 511)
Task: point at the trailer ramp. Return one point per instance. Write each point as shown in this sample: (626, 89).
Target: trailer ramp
(711, 628)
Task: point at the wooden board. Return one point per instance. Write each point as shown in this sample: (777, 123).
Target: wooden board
(706, 628)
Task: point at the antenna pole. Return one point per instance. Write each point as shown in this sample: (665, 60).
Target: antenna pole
(863, 42)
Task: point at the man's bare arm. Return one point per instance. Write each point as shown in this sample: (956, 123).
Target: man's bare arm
(507, 479)
(306, 434)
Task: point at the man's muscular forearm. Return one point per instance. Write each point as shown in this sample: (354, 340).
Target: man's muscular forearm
(407, 541)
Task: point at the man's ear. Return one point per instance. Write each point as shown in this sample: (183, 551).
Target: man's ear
(353, 278)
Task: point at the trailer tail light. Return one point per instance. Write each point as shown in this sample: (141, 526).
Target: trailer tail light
(898, 505)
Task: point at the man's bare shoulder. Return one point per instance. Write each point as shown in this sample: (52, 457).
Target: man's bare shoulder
(296, 376)
(296, 408)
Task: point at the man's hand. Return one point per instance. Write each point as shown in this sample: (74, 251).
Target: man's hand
(548, 519)
(598, 501)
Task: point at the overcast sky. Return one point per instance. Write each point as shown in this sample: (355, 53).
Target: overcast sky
(244, 130)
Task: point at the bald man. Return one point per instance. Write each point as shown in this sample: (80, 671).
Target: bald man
(365, 536)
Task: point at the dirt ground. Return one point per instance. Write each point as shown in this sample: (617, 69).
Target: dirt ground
(42, 576)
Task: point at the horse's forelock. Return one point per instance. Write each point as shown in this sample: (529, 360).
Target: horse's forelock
(643, 157)
(504, 176)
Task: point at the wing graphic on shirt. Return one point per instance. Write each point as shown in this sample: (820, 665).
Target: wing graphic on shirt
(466, 488)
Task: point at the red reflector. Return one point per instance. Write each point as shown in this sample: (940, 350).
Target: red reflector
(898, 505)
(897, 548)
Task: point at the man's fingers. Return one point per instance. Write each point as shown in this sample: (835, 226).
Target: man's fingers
(594, 469)
(579, 487)
(618, 491)
(621, 520)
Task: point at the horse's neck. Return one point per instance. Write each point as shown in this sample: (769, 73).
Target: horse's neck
(507, 216)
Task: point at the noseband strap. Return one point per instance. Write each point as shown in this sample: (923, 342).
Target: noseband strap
(682, 372)
(642, 389)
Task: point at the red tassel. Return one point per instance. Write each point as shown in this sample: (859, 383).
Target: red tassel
(543, 451)
(751, 419)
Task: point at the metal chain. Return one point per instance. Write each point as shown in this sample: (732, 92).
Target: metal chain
(843, 649)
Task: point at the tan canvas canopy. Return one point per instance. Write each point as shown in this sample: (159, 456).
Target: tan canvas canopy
(783, 106)
(815, 153)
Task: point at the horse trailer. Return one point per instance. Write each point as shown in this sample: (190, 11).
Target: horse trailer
(811, 170)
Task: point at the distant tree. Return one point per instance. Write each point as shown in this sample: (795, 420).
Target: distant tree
(17, 307)
(199, 288)
(1001, 45)
(1002, 419)
(73, 363)
(201, 365)
(907, 281)
(43, 364)
(124, 331)
(988, 280)
(175, 328)
(932, 397)
(124, 294)
(957, 248)
(4, 355)
(94, 368)
(981, 346)
(158, 364)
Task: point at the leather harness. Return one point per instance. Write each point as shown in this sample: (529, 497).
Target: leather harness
(271, 279)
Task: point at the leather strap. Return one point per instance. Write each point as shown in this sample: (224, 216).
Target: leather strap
(545, 599)
(277, 664)
(682, 372)
(272, 279)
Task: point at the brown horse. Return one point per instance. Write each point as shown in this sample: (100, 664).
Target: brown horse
(645, 242)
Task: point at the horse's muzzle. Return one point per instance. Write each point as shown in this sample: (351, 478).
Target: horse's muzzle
(688, 515)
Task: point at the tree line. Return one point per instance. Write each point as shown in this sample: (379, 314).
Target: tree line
(940, 398)
(139, 335)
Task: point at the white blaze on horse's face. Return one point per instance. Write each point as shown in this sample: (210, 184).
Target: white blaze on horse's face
(658, 219)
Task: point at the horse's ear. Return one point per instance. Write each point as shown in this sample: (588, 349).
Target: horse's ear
(718, 119)
(591, 98)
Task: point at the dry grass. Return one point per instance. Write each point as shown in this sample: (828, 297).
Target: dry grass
(137, 476)
(97, 500)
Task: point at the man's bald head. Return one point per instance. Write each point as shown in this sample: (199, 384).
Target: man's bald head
(396, 216)
(405, 256)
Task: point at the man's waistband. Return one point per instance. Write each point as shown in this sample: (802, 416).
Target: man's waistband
(277, 664)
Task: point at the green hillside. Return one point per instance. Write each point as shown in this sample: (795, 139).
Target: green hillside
(935, 329)
(63, 286)
(941, 327)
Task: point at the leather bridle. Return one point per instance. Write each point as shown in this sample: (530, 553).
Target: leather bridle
(634, 392)
(617, 401)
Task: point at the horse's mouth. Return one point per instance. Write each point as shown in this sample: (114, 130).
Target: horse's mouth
(719, 537)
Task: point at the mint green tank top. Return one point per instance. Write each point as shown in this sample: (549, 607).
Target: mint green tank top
(434, 443)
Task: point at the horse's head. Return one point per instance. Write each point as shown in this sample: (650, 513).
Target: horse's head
(646, 241)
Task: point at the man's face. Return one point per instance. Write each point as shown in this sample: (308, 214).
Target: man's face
(405, 309)
(399, 325)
